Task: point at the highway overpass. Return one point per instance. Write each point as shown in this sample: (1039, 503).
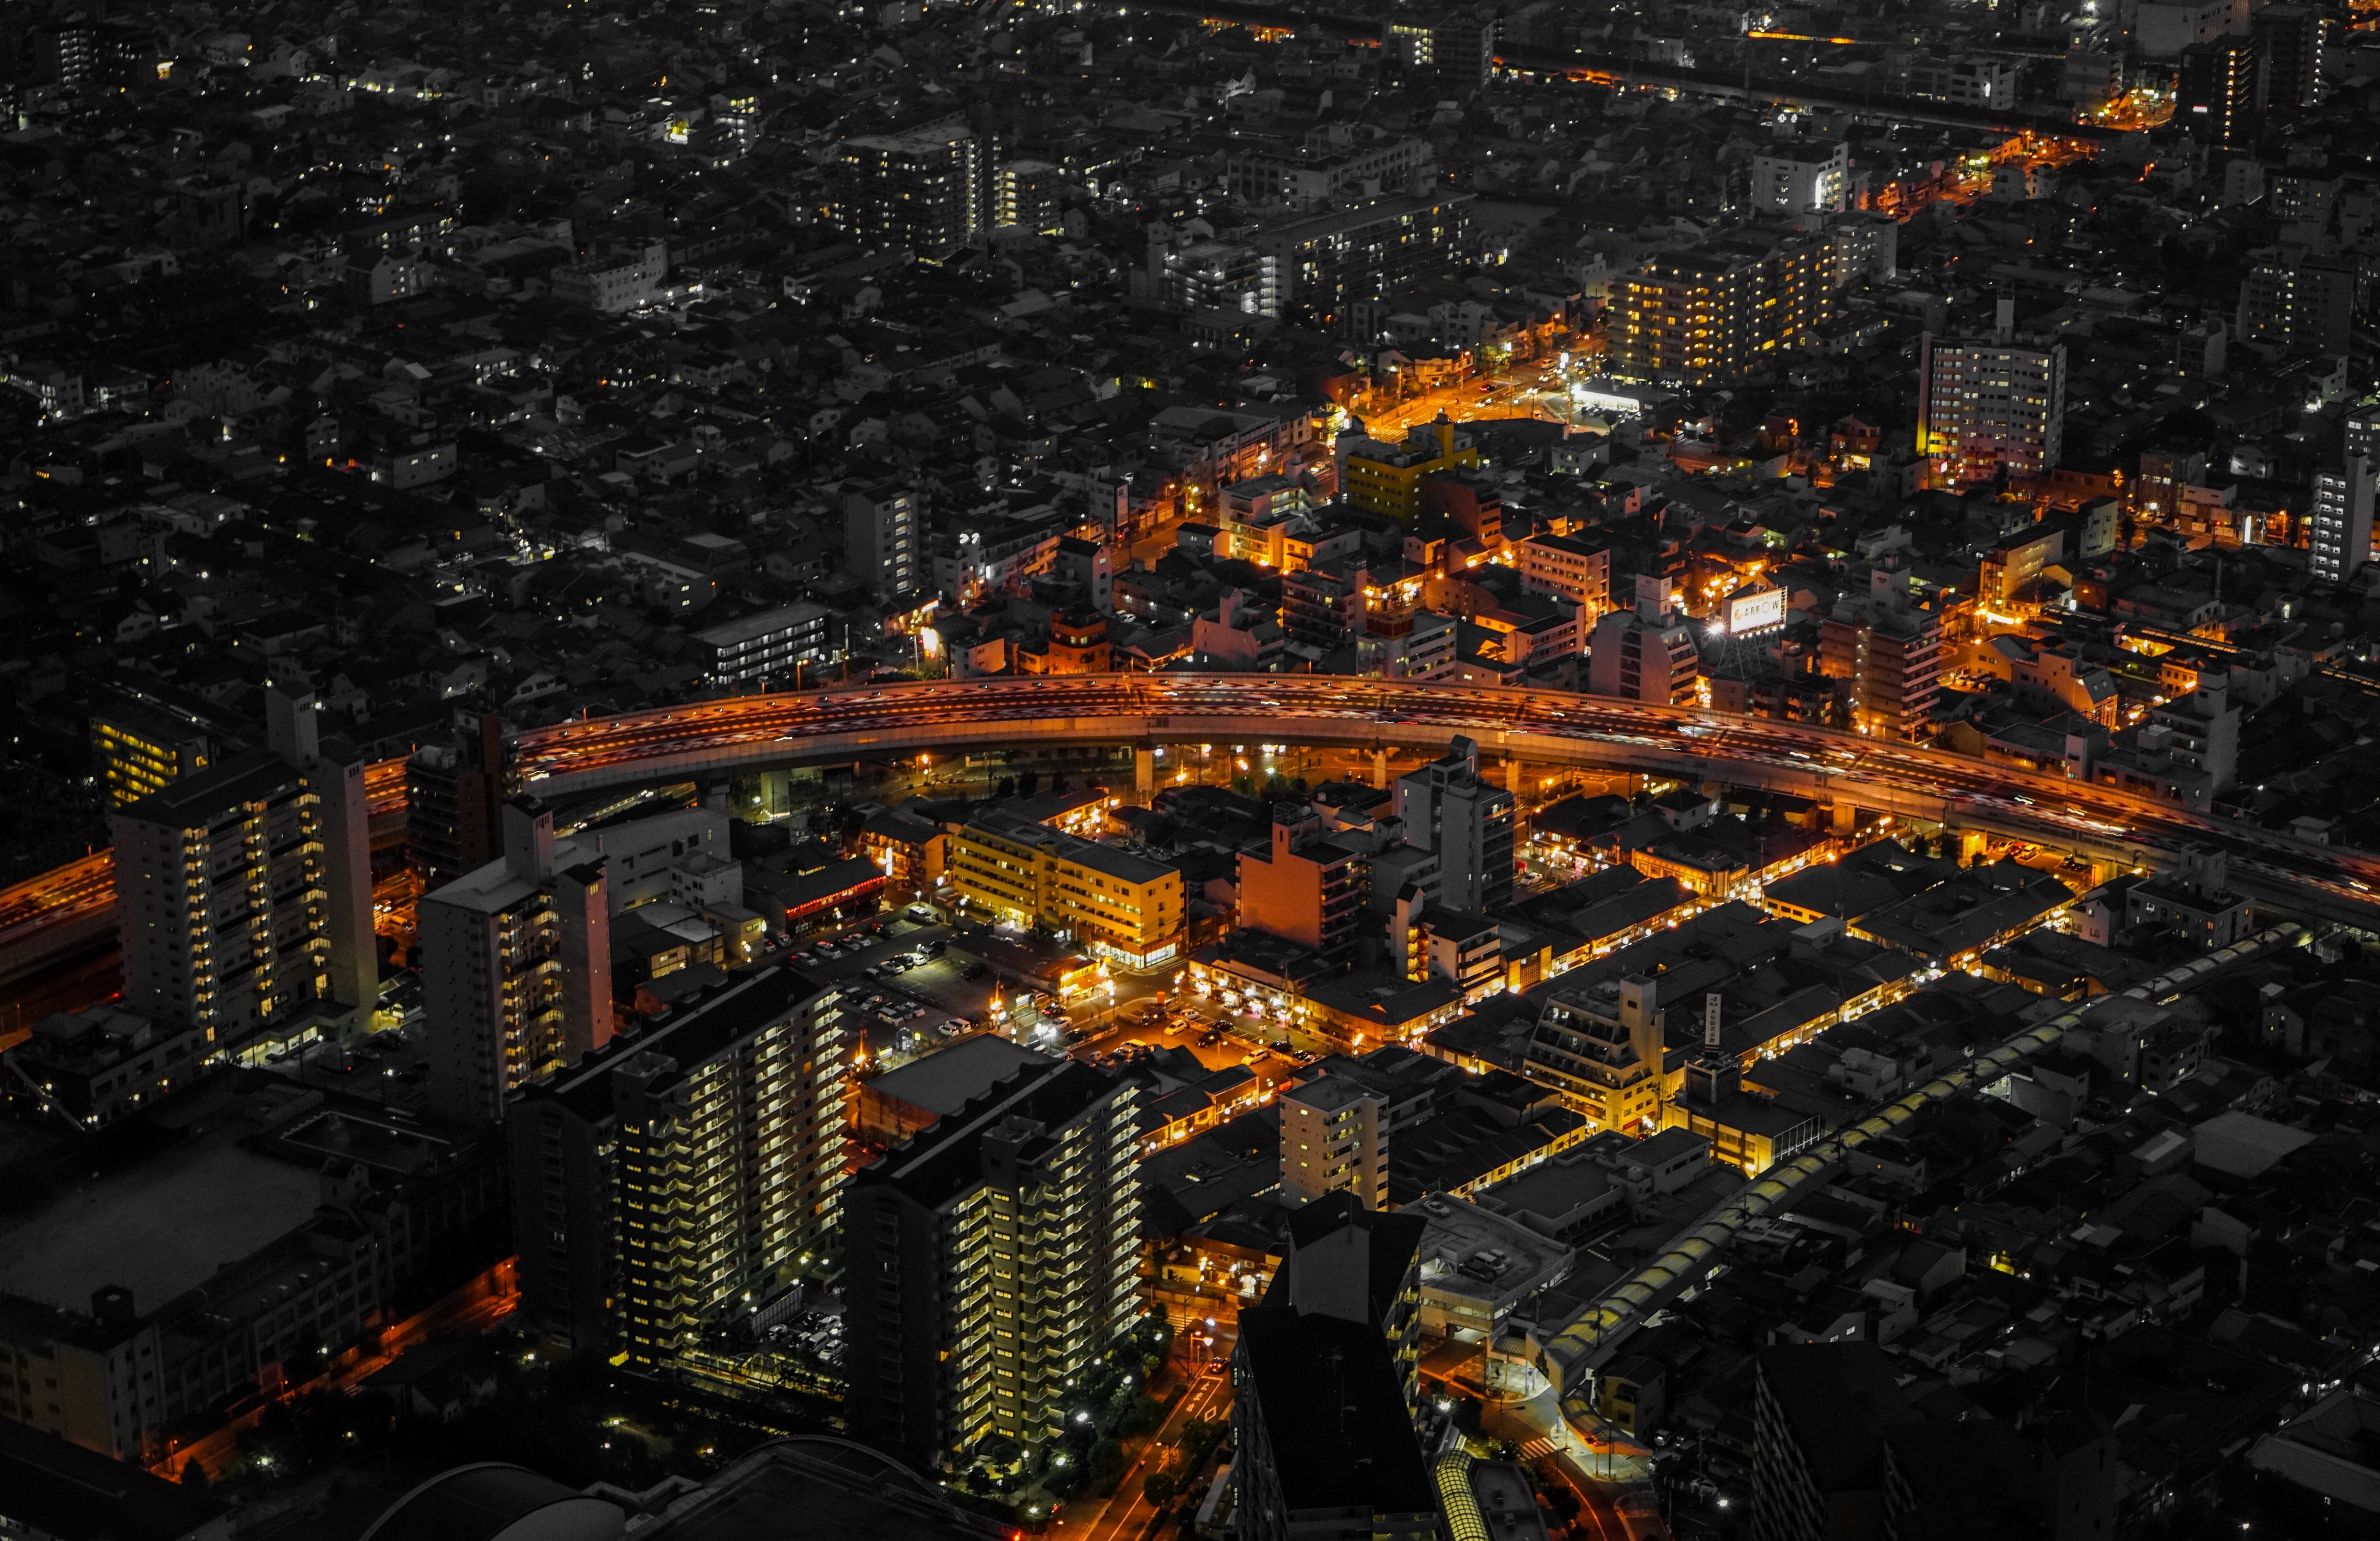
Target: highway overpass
(53, 917)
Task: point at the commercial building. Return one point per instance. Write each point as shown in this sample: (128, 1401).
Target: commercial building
(243, 893)
(1448, 811)
(883, 538)
(1646, 653)
(1387, 477)
(1988, 403)
(1118, 904)
(672, 1180)
(516, 969)
(990, 1261)
(769, 647)
(929, 190)
(1334, 1139)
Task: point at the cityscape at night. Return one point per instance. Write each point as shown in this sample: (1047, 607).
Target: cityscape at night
(1033, 770)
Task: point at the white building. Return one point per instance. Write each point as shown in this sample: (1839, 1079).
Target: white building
(1984, 403)
(1803, 177)
(1646, 653)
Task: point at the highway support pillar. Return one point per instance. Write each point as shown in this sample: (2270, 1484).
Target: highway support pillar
(1514, 779)
(1144, 772)
(1379, 769)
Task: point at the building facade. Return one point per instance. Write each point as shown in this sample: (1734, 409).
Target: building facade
(1447, 811)
(1986, 405)
(1118, 904)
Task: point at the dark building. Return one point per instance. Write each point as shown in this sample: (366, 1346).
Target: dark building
(2291, 40)
(2221, 92)
(1820, 1415)
(454, 796)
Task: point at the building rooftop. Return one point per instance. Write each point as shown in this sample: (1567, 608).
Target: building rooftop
(948, 1080)
(158, 1228)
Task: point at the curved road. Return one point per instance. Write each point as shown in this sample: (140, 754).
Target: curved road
(48, 916)
(744, 734)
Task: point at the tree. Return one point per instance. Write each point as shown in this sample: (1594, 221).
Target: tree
(194, 1474)
(1160, 1487)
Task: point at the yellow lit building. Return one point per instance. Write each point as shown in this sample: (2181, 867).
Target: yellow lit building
(1121, 906)
(134, 752)
(1386, 478)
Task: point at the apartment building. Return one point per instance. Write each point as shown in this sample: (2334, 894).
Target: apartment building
(1568, 566)
(990, 1260)
(883, 538)
(1801, 176)
(243, 893)
(1889, 645)
(1708, 315)
(516, 969)
(665, 1183)
(1601, 1047)
(929, 190)
(2339, 533)
(1387, 477)
(1334, 1139)
(1120, 905)
(1317, 266)
(138, 750)
(2294, 302)
(771, 647)
(1308, 888)
(1448, 811)
(1327, 162)
(1985, 404)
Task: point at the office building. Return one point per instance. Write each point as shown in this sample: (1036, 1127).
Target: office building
(2220, 93)
(1324, 1383)
(1989, 405)
(2289, 43)
(990, 1260)
(1801, 177)
(1387, 477)
(772, 648)
(1447, 811)
(1307, 888)
(1315, 267)
(1118, 904)
(883, 544)
(1646, 653)
(2339, 533)
(243, 893)
(452, 795)
(1334, 1139)
(1601, 1047)
(2297, 303)
(667, 1183)
(515, 967)
(138, 747)
(1708, 315)
(928, 189)
(1889, 645)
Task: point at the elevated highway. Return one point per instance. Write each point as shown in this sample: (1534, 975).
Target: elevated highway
(70, 908)
(718, 739)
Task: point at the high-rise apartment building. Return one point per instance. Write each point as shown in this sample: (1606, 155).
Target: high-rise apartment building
(1312, 269)
(668, 1182)
(1447, 811)
(1985, 404)
(1334, 1139)
(244, 892)
(1027, 194)
(883, 543)
(517, 967)
(2220, 95)
(138, 747)
(1700, 317)
(990, 1260)
(928, 189)
(1889, 645)
(2297, 303)
(2339, 534)
(2290, 39)
(1646, 653)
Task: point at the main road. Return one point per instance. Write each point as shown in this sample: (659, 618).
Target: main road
(716, 739)
(48, 917)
